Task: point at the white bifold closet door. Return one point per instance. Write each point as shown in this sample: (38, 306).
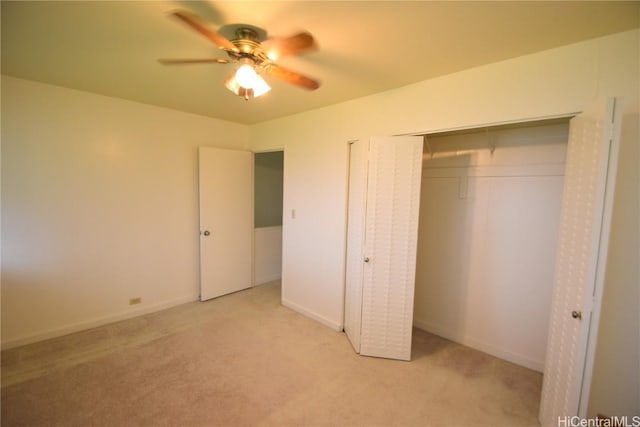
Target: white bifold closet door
(580, 262)
(384, 201)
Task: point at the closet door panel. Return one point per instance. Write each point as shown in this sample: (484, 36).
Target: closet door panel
(393, 200)
(580, 263)
(358, 165)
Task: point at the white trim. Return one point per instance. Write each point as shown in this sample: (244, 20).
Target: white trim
(268, 150)
(495, 171)
(484, 125)
(267, 279)
(518, 359)
(269, 228)
(99, 321)
(312, 315)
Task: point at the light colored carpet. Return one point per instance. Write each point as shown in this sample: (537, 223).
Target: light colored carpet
(245, 360)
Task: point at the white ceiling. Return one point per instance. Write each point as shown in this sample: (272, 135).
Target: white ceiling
(365, 47)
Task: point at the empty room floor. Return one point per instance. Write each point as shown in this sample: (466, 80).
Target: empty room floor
(245, 360)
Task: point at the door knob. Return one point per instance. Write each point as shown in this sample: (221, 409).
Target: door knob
(206, 232)
(366, 259)
(576, 314)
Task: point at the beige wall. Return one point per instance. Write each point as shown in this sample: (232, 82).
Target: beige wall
(554, 82)
(99, 205)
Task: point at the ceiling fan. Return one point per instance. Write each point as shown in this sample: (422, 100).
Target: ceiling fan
(256, 54)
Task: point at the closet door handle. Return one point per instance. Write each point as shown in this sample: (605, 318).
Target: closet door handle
(576, 314)
(366, 259)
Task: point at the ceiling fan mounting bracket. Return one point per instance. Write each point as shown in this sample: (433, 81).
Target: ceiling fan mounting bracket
(236, 31)
(247, 33)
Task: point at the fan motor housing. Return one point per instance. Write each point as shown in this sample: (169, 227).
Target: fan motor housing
(247, 40)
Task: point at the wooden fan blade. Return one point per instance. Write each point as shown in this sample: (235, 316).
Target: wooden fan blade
(292, 77)
(197, 24)
(193, 61)
(279, 47)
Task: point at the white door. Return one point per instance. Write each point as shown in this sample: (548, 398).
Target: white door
(226, 221)
(382, 244)
(580, 261)
(358, 167)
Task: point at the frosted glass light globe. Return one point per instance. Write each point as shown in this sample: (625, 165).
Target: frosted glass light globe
(246, 76)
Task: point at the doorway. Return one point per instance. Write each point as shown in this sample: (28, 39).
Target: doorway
(579, 270)
(489, 220)
(268, 190)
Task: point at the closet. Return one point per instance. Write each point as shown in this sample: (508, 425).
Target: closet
(489, 218)
(514, 225)
(489, 211)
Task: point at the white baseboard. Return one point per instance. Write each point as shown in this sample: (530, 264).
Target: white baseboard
(336, 326)
(99, 321)
(266, 279)
(501, 353)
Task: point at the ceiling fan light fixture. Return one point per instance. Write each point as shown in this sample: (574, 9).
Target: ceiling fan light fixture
(246, 76)
(246, 82)
(260, 87)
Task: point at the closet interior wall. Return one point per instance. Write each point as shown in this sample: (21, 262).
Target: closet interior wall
(488, 228)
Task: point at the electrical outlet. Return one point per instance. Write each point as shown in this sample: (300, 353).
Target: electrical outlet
(136, 300)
